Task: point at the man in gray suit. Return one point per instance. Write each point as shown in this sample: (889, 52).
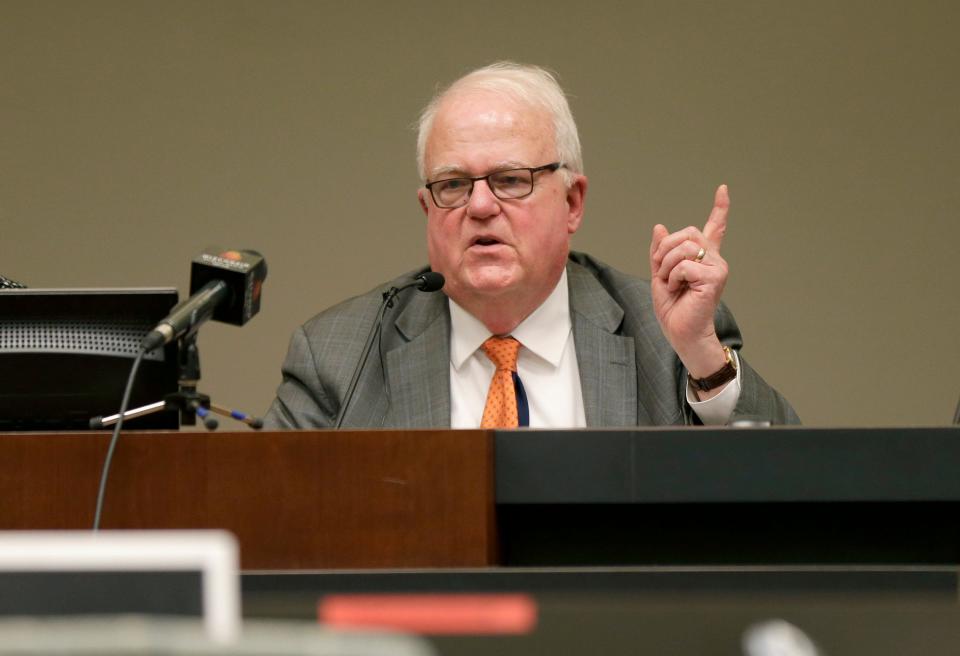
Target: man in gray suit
(504, 191)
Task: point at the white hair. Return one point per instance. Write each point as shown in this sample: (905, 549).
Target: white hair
(526, 84)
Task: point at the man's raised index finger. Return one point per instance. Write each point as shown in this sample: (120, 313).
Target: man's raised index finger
(716, 226)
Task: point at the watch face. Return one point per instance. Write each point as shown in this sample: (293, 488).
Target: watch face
(732, 358)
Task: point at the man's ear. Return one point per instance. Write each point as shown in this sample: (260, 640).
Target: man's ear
(422, 197)
(576, 195)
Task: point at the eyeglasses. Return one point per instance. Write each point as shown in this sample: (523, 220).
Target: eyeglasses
(506, 185)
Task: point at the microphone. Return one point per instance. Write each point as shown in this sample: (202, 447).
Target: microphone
(6, 283)
(429, 281)
(224, 286)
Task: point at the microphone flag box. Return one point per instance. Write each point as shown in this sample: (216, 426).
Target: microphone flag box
(242, 270)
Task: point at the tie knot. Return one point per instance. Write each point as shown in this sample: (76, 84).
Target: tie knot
(502, 351)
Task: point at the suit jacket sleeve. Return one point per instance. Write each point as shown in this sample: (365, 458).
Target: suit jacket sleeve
(320, 362)
(758, 400)
(621, 305)
(301, 401)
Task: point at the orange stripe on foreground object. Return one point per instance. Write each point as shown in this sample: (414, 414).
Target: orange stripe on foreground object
(436, 614)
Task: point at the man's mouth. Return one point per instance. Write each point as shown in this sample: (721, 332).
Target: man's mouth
(486, 240)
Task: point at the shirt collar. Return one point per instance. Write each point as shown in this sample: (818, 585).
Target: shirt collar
(544, 332)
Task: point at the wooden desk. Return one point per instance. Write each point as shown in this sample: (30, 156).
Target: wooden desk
(442, 499)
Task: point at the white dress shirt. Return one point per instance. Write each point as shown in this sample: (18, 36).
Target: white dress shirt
(547, 366)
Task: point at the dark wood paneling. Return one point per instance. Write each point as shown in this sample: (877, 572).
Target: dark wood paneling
(294, 499)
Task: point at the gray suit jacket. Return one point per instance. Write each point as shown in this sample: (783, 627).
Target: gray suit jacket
(629, 374)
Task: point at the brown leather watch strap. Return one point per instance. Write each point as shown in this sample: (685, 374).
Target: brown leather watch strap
(726, 373)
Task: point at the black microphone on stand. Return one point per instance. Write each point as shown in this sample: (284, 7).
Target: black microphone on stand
(224, 286)
(430, 281)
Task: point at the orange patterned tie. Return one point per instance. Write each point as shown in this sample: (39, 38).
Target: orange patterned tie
(501, 408)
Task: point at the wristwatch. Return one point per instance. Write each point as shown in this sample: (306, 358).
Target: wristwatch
(724, 375)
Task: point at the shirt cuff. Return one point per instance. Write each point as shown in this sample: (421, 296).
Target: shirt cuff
(717, 410)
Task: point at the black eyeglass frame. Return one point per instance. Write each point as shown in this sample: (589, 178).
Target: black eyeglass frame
(553, 166)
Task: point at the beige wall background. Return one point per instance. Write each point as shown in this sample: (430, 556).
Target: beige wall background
(136, 133)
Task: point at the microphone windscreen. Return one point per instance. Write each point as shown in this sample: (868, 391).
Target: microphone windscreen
(243, 272)
(431, 281)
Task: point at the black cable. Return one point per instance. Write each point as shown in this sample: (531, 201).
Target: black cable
(113, 440)
(383, 377)
(375, 331)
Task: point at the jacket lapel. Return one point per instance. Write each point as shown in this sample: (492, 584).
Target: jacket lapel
(608, 372)
(628, 371)
(418, 364)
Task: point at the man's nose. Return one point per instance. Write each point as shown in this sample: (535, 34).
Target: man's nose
(482, 203)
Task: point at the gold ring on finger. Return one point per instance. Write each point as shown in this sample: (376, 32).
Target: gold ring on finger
(700, 255)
